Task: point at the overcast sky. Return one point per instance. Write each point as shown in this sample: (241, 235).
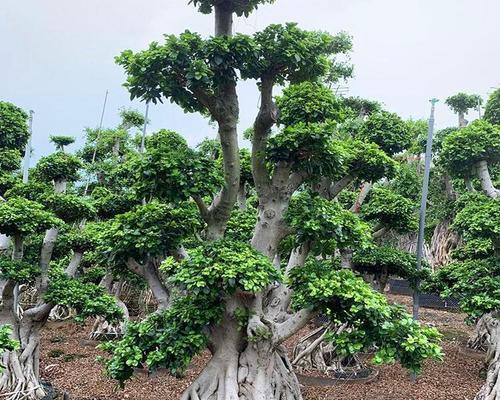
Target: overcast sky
(57, 56)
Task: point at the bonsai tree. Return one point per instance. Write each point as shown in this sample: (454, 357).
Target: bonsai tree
(473, 151)
(239, 303)
(461, 103)
(14, 135)
(61, 141)
(492, 110)
(32, 215)
(474, 278)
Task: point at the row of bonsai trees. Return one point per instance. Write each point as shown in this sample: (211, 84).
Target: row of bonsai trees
(241, 248)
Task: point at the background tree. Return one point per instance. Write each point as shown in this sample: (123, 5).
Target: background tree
(33, 215)
(461, 103)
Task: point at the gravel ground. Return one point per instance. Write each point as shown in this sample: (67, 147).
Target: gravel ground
(68, 361)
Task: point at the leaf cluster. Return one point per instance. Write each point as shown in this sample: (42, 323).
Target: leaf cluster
(345, 298)
(224, 266)
(390, 209)
(325, 225)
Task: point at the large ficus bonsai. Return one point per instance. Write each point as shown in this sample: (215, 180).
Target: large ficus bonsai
(32, 215)
(243, 298)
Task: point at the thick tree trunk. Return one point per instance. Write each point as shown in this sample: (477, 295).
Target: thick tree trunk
(20, 379)
(261, 371)
(443, 242)
(491, 388)
(486, 183)
(462, 122)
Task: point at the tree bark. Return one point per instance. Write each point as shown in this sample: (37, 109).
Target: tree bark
(103, 329)
(224, 19)
(486, 183)
(491, 388)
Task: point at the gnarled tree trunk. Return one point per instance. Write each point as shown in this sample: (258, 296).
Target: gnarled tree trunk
(443, 242)
(491, 388)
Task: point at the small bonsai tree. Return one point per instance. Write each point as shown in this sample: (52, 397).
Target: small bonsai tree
(473, 151)
(461, 103)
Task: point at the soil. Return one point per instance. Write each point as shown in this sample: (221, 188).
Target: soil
(68, 361)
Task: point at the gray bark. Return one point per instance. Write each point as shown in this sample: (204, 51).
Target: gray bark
(485, 179)
(149, 272)
(491, 388)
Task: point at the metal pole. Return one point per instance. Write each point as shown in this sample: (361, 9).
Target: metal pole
(27, 151)
(143, 148)
(423, 206)
(97, 139)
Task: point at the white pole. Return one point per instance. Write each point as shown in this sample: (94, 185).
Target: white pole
(97, 139)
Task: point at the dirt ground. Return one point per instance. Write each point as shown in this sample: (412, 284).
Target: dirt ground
(68, 361)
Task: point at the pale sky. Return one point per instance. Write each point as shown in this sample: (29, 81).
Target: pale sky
(57, 56)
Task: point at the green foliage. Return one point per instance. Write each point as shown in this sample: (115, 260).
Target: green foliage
(286, 53)
(170, 171)
(478, 218)
(167, 339)
(7, 182)
(131, 119)
(61, 141)
(345, 298)
(241, 225)
(68, 207)
(246, 177)
(14, 131)
(492, 110)
(463, 148)
(387, 259)
(108, 204)
(387, 130)
(308, 102)
(462, 102)
(86, 298)
(390, 209)
(18, 271)
(407, 182)
(187, 64)
(324, 224)
(368, 162)
(358, 107)
(23, 217)
(6, 343)
(147, 231)
(10, 160)
(57, 167)
(309, 148)
(476, 283)
(239, 7)
(224, 266)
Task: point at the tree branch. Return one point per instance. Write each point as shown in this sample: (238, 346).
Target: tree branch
(266, 118)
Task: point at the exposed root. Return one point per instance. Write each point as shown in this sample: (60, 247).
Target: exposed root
(491, 388)
(20, 379)
(480, 337)
(312, 353)
(61, 313)
(104, 330)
